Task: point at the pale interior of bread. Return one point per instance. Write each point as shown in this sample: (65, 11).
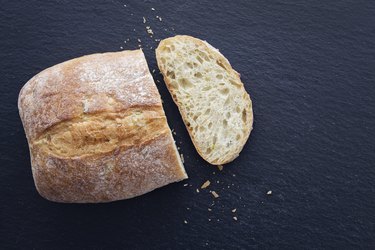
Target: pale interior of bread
(210, 95)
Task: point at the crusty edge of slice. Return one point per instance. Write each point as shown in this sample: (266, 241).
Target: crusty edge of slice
(214, 52)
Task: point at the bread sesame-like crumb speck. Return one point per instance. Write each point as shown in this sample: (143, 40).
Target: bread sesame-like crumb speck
(234, 210)
(234, 175)
(188, 208)
(185, 221)
(220, 167)
(182, 158)
(139, 40)
(206, 184)
(214, 194)
(235, 218)
(152, 9)
(269, 192)
(209, 209)
(144, 20)
(121, 47)
(185, 185)
(209, 220)
(153, 71)
(197, 190)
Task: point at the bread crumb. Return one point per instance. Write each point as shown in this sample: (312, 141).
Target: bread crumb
(220, 167)
(152, 9)
(139, 40)
(206, 184)
(121, 47)
(234, 175)
(185, 221)
(234, 210)
(214, 194)
(159, 17)
(209, 209)
(197, 190)
(269, 192)
(188, 208)
(209, 220)
(149, 30)
(153, 71)
(185, 185)
(144, 20)
(182, 158)
(235, 218)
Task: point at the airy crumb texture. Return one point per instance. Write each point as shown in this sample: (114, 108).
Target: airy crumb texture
(213, 102)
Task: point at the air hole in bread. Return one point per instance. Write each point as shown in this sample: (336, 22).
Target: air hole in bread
(210, 125)
(218, 62)
(228, 115)
(234, 83)
(238, 110)
(238, 137)
(244, 115)
(171, 74)
(199, 59)
(219, 76)
(206, 88)
(198, 75)
(207, 112)
(225, 123)
(224, 91)
(185, 83)
(190, 65)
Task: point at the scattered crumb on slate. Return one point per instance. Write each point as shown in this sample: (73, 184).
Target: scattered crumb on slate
(214, 194)
(235, 218)
(206, 184)
(149, 30)
(153, 71)
(152, 9)
(144, 20)
(234, 210)
(197, 190)
(269, 192)
(185, 221)
(185, 185)
(209, 209)
(220, 167)
(139, 40)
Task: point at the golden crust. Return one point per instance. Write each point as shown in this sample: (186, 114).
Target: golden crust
(97, 131)
(225, 64)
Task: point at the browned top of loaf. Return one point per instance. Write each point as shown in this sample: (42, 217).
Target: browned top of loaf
(78, 89)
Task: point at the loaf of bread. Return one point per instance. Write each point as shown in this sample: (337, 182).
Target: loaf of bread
(97, 131)
(212, 100)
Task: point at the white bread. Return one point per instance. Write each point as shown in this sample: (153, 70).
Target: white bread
(97, 131)
(212, 100)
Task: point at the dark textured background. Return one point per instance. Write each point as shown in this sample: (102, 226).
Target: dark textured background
(310, 70)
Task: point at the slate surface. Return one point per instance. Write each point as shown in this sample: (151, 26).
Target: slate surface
(310, 70)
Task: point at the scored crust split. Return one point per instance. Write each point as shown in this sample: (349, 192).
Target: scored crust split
(97, 131)
(212, 100)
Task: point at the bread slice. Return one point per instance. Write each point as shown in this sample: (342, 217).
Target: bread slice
(212, 100)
